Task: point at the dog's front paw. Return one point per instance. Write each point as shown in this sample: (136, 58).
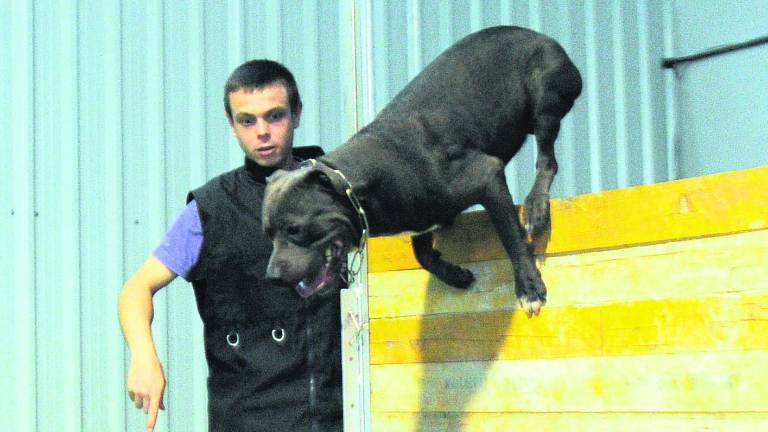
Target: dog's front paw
(531, 293)
(537, 214)
(456, 276)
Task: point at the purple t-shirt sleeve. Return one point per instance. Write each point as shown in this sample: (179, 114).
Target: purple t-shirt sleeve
(180, 248)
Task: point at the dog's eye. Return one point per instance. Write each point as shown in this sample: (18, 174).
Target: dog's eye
(293, 230)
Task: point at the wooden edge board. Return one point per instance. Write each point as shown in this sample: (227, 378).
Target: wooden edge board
(569, 421)
(712, 205)
(732, 264)
(676, 383)
(708, 324)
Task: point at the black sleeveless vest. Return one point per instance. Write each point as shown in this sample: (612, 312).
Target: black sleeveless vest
(274, 359)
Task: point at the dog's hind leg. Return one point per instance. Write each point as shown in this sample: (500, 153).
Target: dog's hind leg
(431, 260)
(497, 200)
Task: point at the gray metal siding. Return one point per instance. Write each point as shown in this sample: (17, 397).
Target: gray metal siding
(112, 111)
(722, 101)
(17, 274)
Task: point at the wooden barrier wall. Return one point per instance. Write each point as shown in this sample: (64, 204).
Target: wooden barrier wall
(657, 319)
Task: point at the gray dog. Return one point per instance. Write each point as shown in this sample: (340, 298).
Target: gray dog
(438, 148)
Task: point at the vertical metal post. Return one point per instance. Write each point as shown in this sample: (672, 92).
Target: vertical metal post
(355, 355)
(354, 300)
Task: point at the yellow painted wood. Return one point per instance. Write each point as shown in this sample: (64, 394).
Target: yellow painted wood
(657, 319)
(569, 422)
(725, 382)
(735, 263)
(712, 205)
(415, 292)
(712, 324)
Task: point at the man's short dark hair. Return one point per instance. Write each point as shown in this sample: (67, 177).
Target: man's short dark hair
(256, 74)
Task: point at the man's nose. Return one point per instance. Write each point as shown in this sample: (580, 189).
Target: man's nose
(262, 128)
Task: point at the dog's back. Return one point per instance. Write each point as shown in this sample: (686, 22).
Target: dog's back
(493, 80)
(480, 97)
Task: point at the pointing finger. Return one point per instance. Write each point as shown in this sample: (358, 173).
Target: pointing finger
(152, 419)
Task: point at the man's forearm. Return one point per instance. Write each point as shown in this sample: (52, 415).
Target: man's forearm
(136, 311)
(135, 308)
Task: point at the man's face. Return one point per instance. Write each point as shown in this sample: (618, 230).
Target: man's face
(263, 124)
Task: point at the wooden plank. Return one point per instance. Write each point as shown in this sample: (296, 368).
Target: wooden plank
(735, 263)
(712, 205)
(569, 422)
(712, 324)
(684, 383)
(415, 292)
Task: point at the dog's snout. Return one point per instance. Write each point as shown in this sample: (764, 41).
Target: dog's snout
(276, 275)
(277, 281)
(273, 275)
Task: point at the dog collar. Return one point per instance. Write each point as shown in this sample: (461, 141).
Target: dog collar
(357, 257)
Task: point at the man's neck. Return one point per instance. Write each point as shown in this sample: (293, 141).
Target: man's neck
(257, 171)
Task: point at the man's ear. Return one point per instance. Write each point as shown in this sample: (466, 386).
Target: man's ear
(296, 116)
(228, 112)
(230, 122)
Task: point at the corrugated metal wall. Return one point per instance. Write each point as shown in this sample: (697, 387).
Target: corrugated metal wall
(110, 111)
(722, 101)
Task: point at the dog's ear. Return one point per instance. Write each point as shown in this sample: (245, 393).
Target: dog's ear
(328, 180)
(321, 178)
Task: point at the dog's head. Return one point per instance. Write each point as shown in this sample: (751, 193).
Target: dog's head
(312, 226)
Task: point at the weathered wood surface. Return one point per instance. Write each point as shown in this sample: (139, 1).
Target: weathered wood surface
(657, 319)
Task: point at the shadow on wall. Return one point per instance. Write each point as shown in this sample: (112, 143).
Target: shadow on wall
(464, 333)
(459, 348)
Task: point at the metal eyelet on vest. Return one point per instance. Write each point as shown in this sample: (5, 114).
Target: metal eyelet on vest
(278, 335)
(233, 339)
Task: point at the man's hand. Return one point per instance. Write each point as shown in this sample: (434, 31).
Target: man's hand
(146, 386)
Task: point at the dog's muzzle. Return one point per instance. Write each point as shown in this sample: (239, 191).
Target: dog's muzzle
(329, 274)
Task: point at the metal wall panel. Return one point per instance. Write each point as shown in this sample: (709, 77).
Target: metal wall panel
(614, 136)
(102, 250)
(721, 100)
(56, 192)
(111, 112)
(18, 409)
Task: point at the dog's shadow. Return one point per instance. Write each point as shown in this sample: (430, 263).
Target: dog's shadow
(464, 333)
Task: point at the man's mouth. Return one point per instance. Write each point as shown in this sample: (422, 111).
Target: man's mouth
(330, 273)
(266, 152)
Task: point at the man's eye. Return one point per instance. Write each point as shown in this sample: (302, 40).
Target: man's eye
(247, 122)
(276, 116)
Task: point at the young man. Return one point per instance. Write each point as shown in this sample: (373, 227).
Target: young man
(274, 359)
